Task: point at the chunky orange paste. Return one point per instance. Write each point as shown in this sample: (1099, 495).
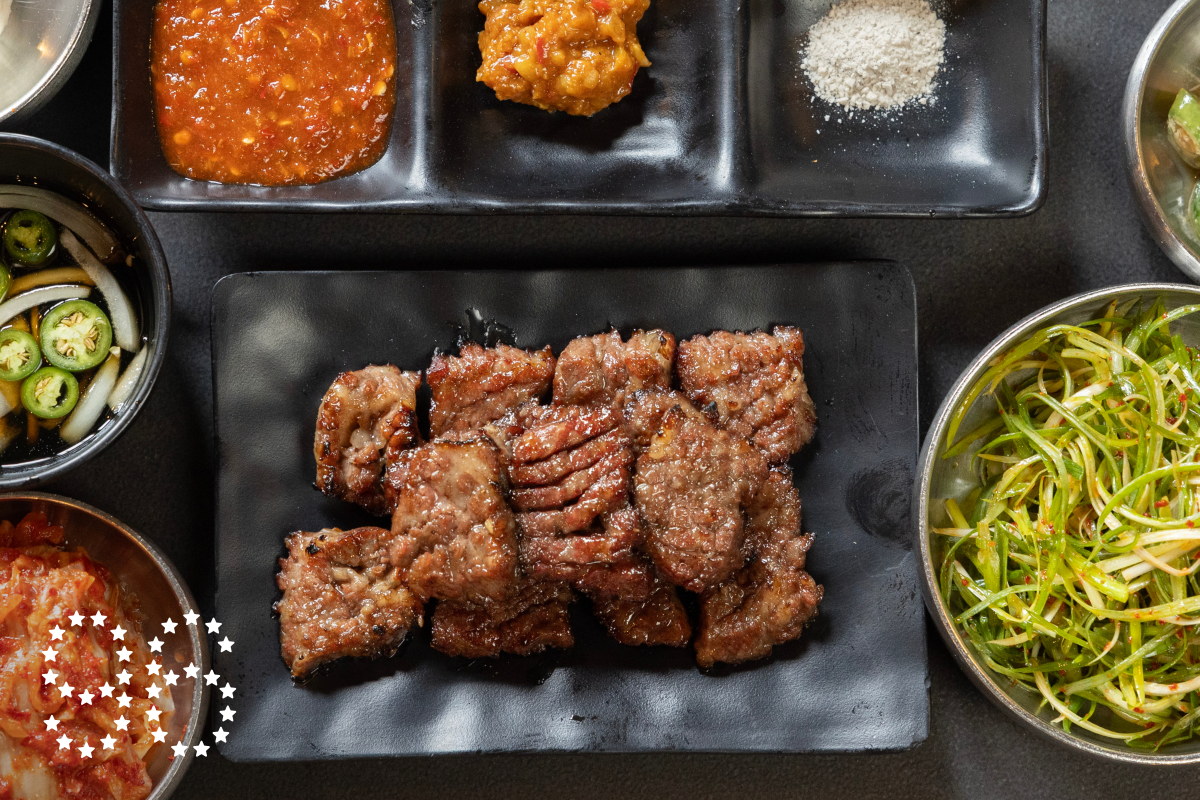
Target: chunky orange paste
(561, 55)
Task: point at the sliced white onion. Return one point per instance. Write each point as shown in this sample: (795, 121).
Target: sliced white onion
(128, 382)
(35, 297)
(49, 277)
(120, 310)
(91, 404)
(63, 211)
(5, 405)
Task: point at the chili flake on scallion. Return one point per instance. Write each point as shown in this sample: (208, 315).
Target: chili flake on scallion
(1074, 567)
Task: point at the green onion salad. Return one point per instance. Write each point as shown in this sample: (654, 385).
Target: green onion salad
(1073, 566)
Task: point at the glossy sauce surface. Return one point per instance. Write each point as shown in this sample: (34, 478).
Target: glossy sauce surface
(273, 92)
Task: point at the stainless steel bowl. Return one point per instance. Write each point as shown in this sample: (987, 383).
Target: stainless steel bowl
(39, 49)
(938, 479)
(145, 572)
(1168, 61)
(24, 159)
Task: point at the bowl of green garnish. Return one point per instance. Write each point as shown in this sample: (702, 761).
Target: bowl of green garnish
(1160, 120)
(1058, 498)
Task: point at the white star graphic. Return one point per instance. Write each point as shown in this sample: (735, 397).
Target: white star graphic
(86, 750)
(169, 626)
(106, 690)
(119, 632)
(211, 678)
(123, 701)
(221, 735)
(191, 617)
(213, 626)
(171, 678)
(64, 742)
(192, 670)
(51, 676)
(154, 691)
(77, 619)
(153, 668)
(122, 724)
(124, 653)
(155, 645)
(109, 742)
(226, 644)
(227, 714)
(201, 749)
(56, 633)
(159, 735)
(227, 690)
(123, 676)
(51, 724)
(180, 749)
(50, 654)
(98, 619)
(66, 689)
(86, 698)
(154, 713)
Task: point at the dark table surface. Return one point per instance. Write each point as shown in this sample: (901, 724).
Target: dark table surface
(973, 279)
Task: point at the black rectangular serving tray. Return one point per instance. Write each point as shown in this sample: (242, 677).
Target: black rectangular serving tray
(856, 680)
(724, 122)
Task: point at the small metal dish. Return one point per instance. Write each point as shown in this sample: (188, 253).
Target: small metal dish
(143, 570)
(938, 479)
(26, 160)
(39, 49)
(1168, 61)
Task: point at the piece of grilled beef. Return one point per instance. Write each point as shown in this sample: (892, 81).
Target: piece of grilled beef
(659, 619)
(454, 536)
(753, 385)
(482, 384)
(692, 485)
(535, 617)
(366, 419)
(603, 370)
(341, 597)
(769, 601)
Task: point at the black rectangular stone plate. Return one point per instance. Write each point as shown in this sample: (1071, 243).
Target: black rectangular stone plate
(856, 680)
(724, 122)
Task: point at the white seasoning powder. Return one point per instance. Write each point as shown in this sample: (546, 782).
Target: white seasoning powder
(875, 53)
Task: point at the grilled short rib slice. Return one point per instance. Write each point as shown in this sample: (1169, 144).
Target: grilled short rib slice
(769, 601)
(341, 597)
(366, 419)
(454, 536)
(603, 370)
(659, 619)
(692, 484)
(482, 384)
(753, 384)
(534, 618)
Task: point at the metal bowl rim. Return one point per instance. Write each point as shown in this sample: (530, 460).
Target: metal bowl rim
(54, 78)
(160, 302)
(194, 730)
(1135, 89)
(979, 675)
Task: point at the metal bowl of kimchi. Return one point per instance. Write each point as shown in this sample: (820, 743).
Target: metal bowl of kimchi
(109, 697)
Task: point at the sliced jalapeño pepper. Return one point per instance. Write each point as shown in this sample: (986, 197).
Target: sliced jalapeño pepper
(50, 393)
(76, 335)
(29, 239)
(19, 355)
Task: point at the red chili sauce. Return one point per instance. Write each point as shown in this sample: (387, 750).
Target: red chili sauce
(273, 92)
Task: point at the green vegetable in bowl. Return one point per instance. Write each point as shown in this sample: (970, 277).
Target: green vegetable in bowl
(76, 335)
(29, 238)
(1074, 566)
(19, 355)
(1183, 127)
(50, 393)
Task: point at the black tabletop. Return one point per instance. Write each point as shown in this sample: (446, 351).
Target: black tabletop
(973, 279)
